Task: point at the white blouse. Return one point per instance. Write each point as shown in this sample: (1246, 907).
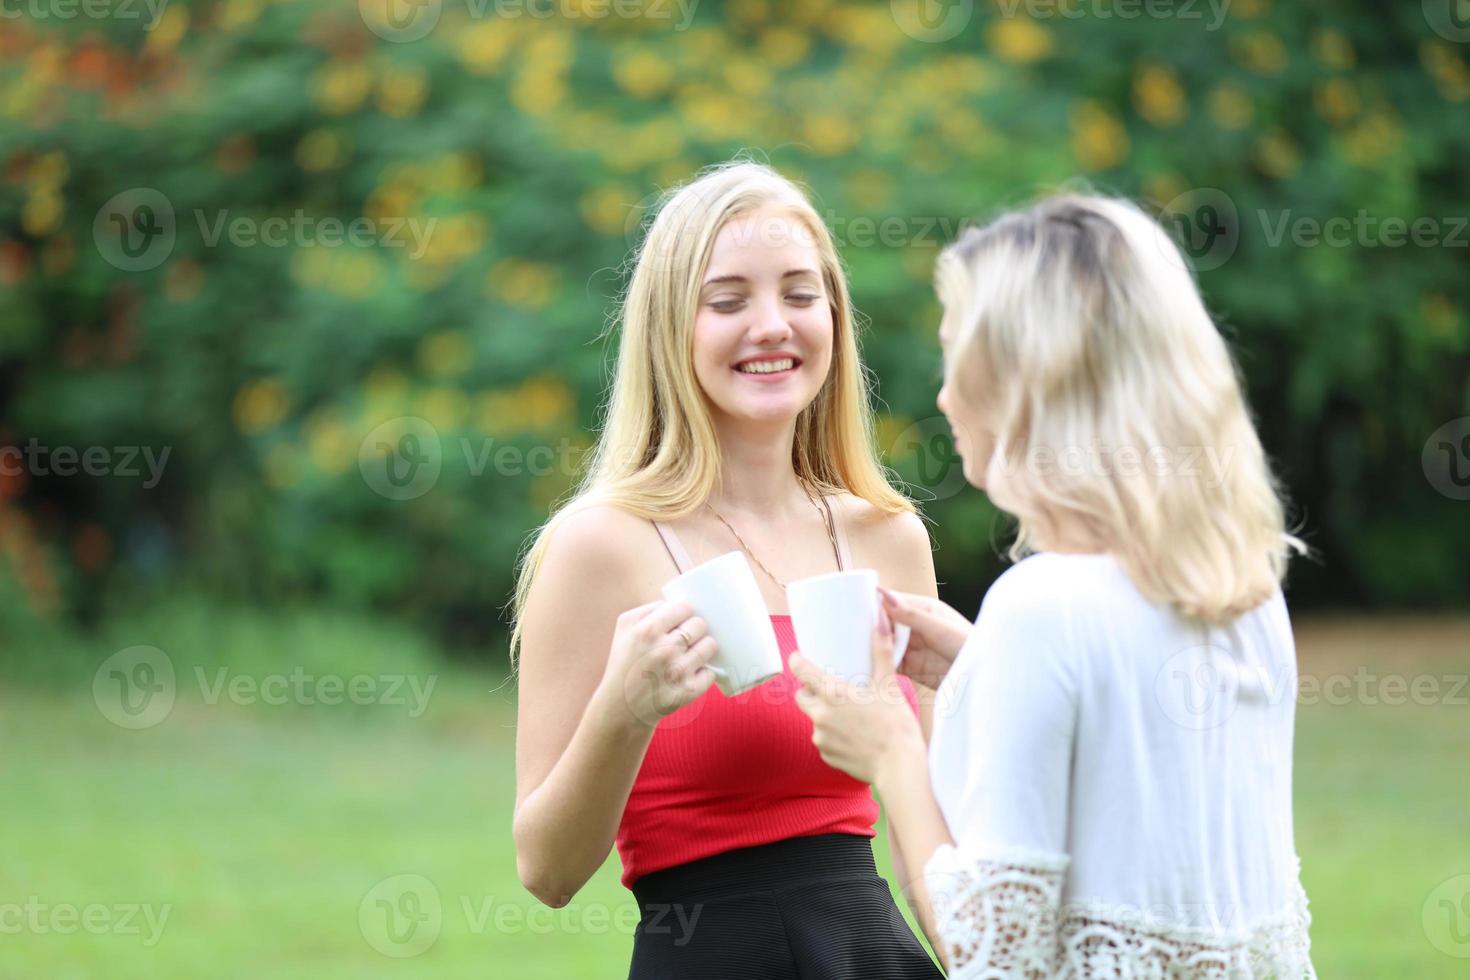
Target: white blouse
(1117, 780)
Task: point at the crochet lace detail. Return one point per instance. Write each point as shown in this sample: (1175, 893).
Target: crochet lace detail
(1001, 918)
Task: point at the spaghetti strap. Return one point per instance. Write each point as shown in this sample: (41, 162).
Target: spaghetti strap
(674, 546)
(838, 532)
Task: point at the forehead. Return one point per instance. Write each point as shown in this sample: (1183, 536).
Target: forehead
(766, 237)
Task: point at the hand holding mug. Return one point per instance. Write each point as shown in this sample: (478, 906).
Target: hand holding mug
(660, 659)
(938, 631)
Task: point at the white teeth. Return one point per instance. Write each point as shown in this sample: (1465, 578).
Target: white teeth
(766, 367)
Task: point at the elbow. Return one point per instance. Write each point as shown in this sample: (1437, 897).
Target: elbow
(546, 882)
(543, 884)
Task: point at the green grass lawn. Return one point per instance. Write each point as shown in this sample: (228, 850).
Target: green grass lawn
(275, 839)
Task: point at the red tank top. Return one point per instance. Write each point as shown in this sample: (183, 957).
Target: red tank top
(723, 773)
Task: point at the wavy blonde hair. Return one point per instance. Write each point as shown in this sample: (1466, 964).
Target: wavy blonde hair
(657, 454)
(1082, 336)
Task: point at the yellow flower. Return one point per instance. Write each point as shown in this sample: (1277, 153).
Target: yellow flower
(1336, 100)
(444, 408)
(49, 171)
(782, 47)
(522, 283)
(453, 239)
(1333, 50)
(537, 93)
(747, 77)
(1163, 188)
(870, 29)
(829, 134)
(708, 112)
(483, 45)
(320, 149)
(385, 388)
(238, 13)
(1448, 69)
(1375, 136)
(1158, 96)
(445, 355)
(1231, 107)
(1440, 315)
(1099, 140)
(341, 86)
(168, 31)
(260, 404)
(355, 274)
(746, 12)
(1277, 154)
(642, 74)
(329, 444)
(607, 209)
(1018, 39)
(402, 91)
(1260, 52)
(546, 402)
(42, 213)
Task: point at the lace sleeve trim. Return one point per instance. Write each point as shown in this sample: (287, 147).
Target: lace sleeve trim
(997, 915)
(1000, 917)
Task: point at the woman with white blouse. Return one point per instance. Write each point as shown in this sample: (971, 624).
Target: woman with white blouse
(1108, 787)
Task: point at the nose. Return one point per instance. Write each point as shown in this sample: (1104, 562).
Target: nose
(943, 399)
(770, 325)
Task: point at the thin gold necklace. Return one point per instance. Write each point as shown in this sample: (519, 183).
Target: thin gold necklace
(826, 523)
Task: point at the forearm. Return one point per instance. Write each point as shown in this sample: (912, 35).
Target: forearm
(565, 827)
(916, 827)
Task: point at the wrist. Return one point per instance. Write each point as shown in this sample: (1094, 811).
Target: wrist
(612, 711)
(903, 756)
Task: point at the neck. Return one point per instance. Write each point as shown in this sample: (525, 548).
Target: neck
(756, 474)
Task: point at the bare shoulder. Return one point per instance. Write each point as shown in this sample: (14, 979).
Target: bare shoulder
(599, 559)
(898, 545)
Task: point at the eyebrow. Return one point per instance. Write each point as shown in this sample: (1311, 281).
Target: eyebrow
(714, 280)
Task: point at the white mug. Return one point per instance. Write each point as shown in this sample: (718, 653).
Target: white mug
(724, 593)
(834, 616)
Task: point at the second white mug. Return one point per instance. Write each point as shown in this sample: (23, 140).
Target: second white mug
(833, 616)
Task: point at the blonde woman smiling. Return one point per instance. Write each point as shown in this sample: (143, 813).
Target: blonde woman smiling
(738, 419)
(1110, 793)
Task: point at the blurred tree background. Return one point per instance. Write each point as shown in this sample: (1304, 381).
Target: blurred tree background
(179, 272)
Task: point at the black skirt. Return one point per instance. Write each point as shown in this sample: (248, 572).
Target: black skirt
(812, 908)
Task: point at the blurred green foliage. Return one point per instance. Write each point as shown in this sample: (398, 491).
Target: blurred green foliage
(503, 163)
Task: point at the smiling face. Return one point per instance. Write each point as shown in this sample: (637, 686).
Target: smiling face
(763, 331)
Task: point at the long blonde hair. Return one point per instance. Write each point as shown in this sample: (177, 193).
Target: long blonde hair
(1082, 337)
(657, 454)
